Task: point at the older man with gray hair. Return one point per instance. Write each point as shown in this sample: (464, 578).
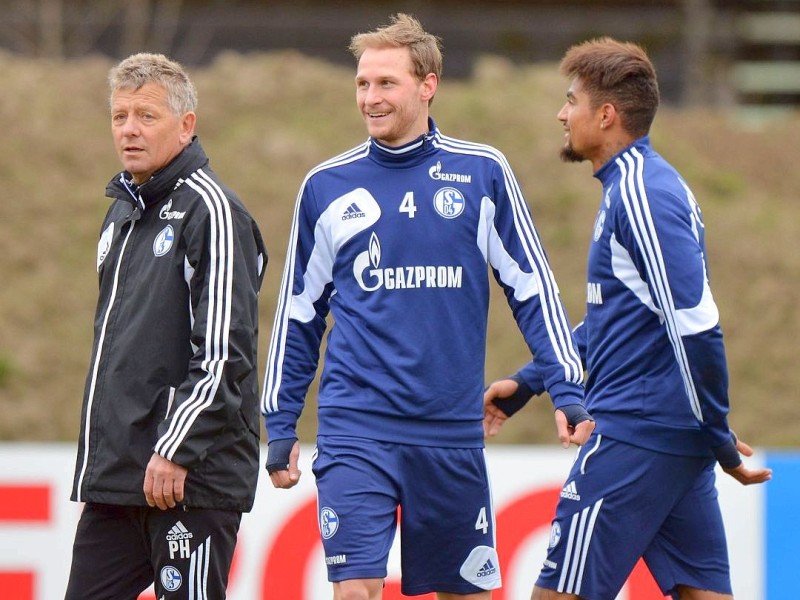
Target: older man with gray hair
(168, 450)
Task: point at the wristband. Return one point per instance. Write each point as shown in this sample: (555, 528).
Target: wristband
(278, 454)
(727, 455)
(575, 414)
(511, 404)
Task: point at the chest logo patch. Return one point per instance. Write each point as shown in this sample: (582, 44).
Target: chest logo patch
(436, 172)
(167, 213)
(598, 225)
(163, 241)
(104, 245)
(449, 202)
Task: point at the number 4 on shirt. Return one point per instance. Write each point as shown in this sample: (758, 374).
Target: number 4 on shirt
(407, 205)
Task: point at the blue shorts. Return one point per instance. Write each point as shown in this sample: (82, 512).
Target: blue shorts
(447, 528)
(620, 503)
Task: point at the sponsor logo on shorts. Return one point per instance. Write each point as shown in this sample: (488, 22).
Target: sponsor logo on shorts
(481, 568)
(550, 564)
(487, 569)
(337, 559)
(570, 491)
(328, 522)
(179, 532)
(171, 578)
(555, 535)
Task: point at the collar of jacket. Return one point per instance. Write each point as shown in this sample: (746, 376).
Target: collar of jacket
(412, 152)
(608, 170)
(163, 181)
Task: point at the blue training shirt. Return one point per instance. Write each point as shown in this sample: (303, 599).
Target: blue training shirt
(397, 244)
(657, 375)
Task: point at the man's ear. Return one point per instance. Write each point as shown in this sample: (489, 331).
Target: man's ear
(188, 123)
(429, 85)
(608, 115)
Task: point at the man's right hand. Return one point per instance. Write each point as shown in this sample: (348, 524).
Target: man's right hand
(493, 416)
(282, 463)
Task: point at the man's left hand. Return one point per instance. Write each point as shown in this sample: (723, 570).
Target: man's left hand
(744, 475)
(578, 433)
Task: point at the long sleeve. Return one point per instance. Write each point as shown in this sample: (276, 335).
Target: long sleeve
(663, 231)
(532, 375)
(223, 268)
(300, 320)
(520, 265)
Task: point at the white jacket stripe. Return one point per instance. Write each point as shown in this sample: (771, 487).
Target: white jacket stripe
(554, 317)
(637, 205)
(96, 365)
(218, 318)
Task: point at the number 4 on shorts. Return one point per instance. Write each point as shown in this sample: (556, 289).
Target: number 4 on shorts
(482, 524)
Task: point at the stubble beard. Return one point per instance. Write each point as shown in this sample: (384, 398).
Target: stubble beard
(568, 154)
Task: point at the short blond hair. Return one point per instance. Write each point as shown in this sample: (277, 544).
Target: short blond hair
(404, 31)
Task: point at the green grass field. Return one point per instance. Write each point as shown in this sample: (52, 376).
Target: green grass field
(266, 119)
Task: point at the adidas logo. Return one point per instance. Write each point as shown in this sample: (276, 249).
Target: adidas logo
(570, 491)
(353, 212)
(487, 569)
(179, 532)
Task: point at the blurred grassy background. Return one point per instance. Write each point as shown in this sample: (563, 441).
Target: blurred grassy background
(266, 119)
